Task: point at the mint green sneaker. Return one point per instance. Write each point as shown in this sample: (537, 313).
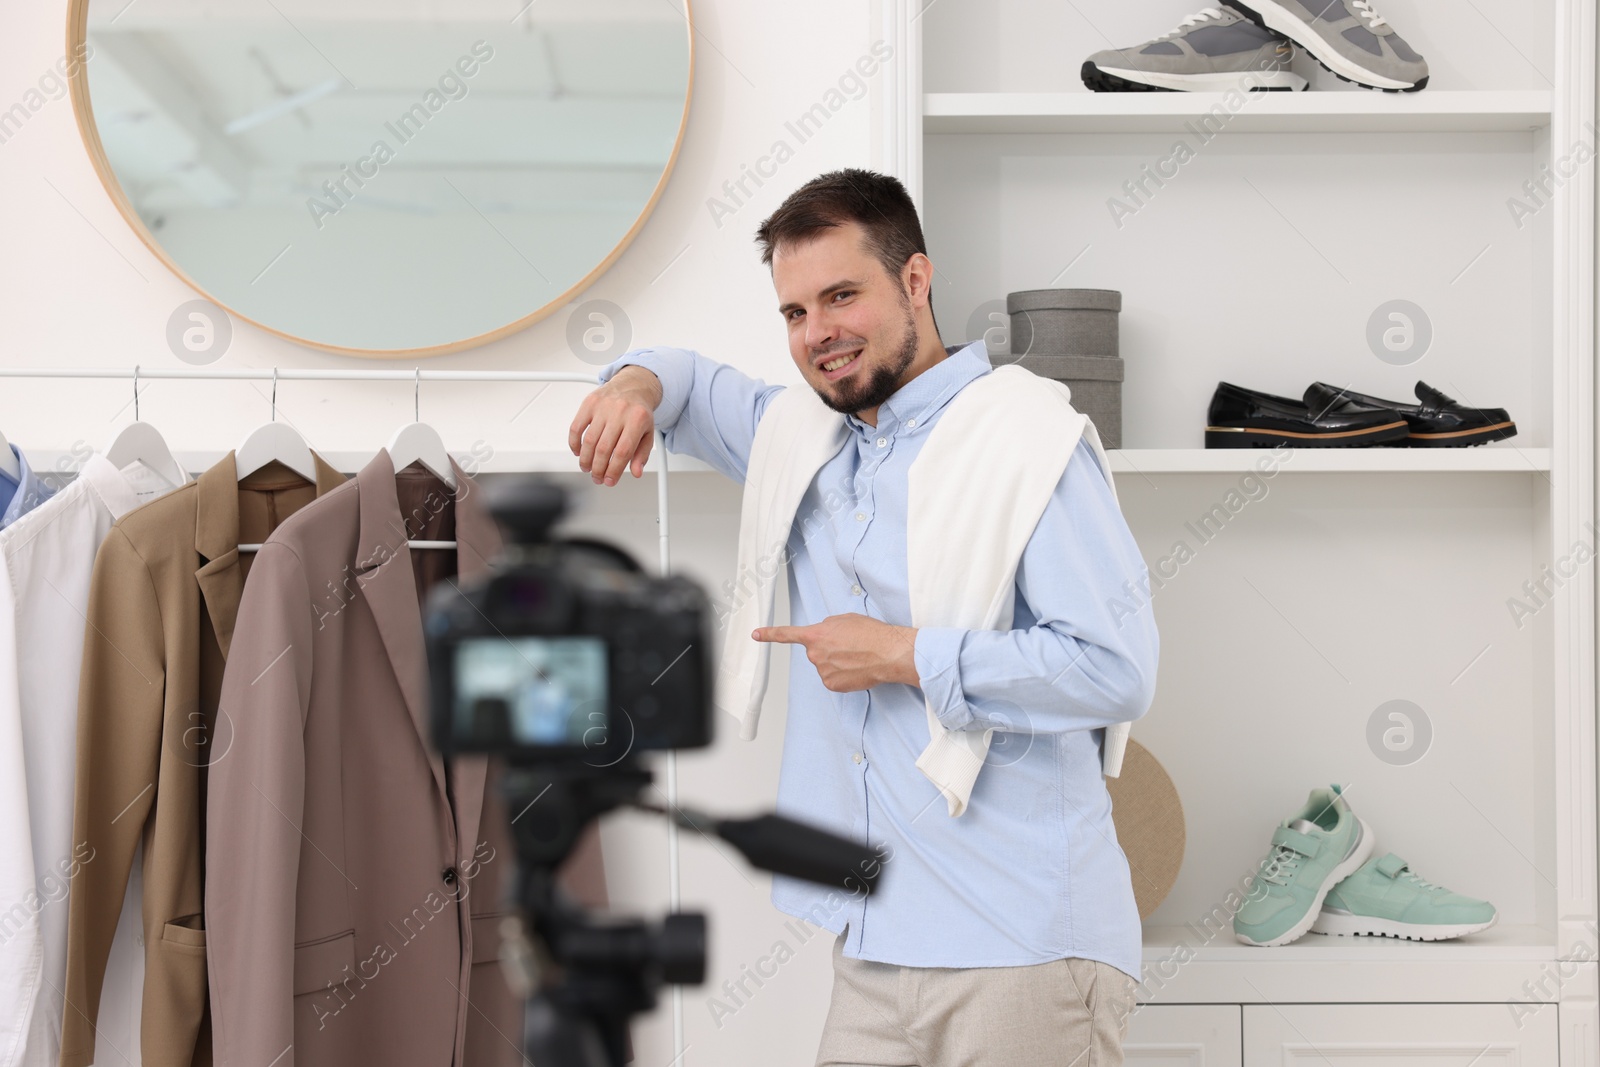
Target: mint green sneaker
(1312, 851)
(1386, 899)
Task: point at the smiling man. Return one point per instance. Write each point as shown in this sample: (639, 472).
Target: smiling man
(1004, 931)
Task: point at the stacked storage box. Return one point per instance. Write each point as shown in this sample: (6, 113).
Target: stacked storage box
(1071, 335)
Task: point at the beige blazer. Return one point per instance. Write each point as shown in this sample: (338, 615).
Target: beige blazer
(354, 882)
(163, 602)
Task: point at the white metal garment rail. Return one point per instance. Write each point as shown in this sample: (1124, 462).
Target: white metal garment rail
(418, 376)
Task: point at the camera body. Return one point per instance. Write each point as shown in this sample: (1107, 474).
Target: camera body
(567, 653)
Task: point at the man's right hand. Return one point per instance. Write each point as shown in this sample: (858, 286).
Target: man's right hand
(616, 425)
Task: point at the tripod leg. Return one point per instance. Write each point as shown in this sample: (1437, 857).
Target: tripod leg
(552, 1040)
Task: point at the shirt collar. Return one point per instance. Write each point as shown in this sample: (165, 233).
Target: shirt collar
(123, 490)
(917, 400)
(29, 493)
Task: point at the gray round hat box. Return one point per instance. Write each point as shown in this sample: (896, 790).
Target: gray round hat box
(1071, 335)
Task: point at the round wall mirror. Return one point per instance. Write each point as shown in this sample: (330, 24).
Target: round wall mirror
(377, 178)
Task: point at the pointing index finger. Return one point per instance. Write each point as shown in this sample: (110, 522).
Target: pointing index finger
(793, 635)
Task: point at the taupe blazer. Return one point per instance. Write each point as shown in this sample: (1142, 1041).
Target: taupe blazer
(163, 605)
(354, 882)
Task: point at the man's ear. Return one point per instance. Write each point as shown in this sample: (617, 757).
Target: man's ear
(916, 278)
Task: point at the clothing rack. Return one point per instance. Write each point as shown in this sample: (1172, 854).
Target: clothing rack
(417, 376)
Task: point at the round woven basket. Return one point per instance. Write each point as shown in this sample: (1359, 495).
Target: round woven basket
(1150, 827)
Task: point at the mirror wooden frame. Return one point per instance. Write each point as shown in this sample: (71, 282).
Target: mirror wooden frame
(83, 111)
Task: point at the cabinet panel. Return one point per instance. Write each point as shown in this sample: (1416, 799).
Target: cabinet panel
(1398, 1035)
(1184, 1035)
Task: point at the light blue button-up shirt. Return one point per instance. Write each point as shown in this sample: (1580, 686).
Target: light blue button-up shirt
(23, 495)
(1032, 871)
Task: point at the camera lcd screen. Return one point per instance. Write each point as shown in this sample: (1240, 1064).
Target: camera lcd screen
(531, 691)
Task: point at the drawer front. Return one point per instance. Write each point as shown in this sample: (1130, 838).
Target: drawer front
(1184, 1035)
(1398, 1035)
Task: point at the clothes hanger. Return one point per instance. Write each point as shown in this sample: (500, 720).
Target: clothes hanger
(412, 443)
(8, 461)
(273, 442)
(417, 442)
(143, 443)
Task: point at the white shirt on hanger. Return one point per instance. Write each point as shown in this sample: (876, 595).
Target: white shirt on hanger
(46, 561)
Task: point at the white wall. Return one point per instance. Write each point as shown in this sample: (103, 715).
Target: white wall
(78, 288)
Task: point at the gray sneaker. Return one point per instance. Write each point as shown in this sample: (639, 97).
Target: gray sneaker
(1347, 37)
(1215, 50)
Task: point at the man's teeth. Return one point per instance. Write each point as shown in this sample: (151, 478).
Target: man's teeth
(835, 364)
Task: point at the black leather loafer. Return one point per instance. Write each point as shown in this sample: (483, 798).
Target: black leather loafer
(1245, 418)
(1435, 422)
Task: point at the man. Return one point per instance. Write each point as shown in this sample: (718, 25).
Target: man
(1007, 935)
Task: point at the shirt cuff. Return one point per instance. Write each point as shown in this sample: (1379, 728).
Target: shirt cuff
(937, 652)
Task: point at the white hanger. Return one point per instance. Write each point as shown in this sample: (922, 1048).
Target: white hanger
(8, 461)
(143, 443)
(275, 441)
(417, 442)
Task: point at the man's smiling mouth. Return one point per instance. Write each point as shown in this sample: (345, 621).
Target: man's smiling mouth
(840, 360)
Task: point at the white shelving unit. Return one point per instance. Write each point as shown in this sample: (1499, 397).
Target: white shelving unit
(1348, 460)
(1339, 112)
(1259, 262)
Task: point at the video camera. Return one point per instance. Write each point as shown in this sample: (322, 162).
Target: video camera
(566, 663)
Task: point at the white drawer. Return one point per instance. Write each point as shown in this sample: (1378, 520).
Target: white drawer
(1184, 1035)
(1398, 1035)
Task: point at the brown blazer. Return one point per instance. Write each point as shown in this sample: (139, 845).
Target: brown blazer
(163, 604)
(354, 882)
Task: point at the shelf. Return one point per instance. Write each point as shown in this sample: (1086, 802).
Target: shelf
(1305, 112)
(1500, 457)
(1183, 965)
(1496, 943)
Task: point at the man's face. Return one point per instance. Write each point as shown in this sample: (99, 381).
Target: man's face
(851, 328)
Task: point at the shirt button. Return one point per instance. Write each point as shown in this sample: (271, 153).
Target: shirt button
(911, 422)
(856, 756)
(861, 516)
(449, 876)
(882, 441)
(855, 590)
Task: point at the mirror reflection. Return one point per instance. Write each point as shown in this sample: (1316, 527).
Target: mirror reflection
(363, 175)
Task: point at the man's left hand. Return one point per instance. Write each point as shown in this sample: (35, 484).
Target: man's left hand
(853, 651)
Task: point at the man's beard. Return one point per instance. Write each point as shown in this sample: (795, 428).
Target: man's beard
(884, 380)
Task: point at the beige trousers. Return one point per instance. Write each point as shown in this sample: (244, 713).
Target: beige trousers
(1066, 1013)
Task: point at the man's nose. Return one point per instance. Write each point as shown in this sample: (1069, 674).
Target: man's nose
(820, 334)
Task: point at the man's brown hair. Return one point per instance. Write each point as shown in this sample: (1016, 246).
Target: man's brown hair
(878, 202)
